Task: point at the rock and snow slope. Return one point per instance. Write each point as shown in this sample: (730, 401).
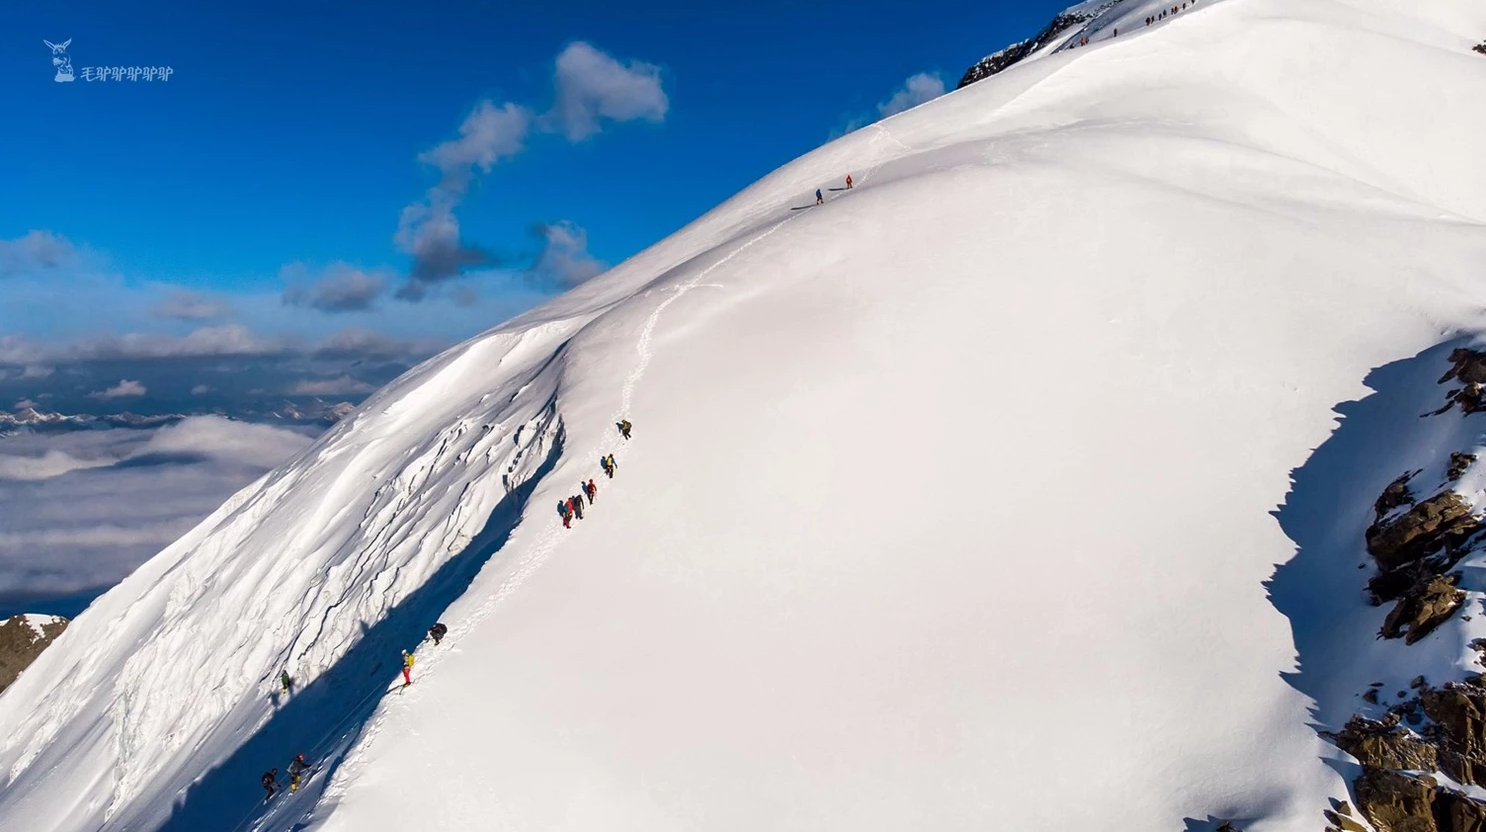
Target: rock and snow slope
(949, 504)
(22, 638)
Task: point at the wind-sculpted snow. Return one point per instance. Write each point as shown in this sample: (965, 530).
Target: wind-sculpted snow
(949, 503)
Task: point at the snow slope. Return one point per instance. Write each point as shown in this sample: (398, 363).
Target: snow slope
(949, 503)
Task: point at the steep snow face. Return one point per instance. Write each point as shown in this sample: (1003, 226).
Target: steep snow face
(948, 504)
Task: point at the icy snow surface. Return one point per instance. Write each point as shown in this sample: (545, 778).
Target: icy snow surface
(950, 503)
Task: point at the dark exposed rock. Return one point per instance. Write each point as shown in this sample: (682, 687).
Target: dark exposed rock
(1342, 822)
(1459, 711)
(1459, 462)
(1469, 366)
(1441, 521)
(999, 61)
(1479, 645)
(1395, 802)
(1371, 696)
(1423, 608)
(1385, 744)
(1395, 495)
(1390, 586)
(1480, 47)
(22, 638)
(1466, 364)
(1227, 826)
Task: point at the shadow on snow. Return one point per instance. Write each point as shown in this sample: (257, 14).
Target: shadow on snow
(1321, 589)
(340, 701)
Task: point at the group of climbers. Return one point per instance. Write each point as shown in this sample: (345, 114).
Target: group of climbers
(821, 200)
(569, 508)
(572, 508)
(299, 767)
(1164, 13)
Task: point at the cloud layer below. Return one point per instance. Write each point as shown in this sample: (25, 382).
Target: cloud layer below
(79, 511)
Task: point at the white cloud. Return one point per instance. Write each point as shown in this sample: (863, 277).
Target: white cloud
(224, 439)
(918, 89)
(429, 231)
(53, 463)
(228, 341)
(124, 389)
(35, 251)
(24, 404)
(342, 386)
(592, 85)
(589, 87)
(341, 288)
(354, 342)
(95, 536)
(189, 306)
(565, 258)
(488, 134)
(201, 390)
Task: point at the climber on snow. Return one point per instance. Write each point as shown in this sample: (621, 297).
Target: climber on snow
(297, 768)
(624, 427)
(437, 632)
(286, 682)
(407, 668)
(818, 198)
(270, 781)
(578, 505)
(590, 489)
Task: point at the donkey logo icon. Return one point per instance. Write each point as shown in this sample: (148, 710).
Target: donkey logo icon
(61, 61)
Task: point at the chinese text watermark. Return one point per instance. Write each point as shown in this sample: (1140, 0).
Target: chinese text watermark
(65, 74)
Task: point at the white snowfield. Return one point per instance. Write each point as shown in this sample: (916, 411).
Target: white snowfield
(950, 503)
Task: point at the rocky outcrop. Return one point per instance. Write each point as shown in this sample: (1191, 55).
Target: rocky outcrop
(1460, 462)
(1480, 47)
(1385, 744)
(1396, 495)
(1469, 367)
(1415, 549)
(1340, 818)
(1459, 730)
(999, 61)
(1438, 522)
(22, 638)
(1424, 606)
(1398, 802)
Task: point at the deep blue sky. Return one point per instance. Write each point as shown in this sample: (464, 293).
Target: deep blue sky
(289, 131)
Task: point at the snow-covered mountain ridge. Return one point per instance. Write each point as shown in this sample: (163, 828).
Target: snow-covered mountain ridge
(936, 515)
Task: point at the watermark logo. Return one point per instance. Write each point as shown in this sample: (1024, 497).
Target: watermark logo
(63, 62)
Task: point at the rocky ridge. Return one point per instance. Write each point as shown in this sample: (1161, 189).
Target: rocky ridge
(1428, 749)
(22, 638)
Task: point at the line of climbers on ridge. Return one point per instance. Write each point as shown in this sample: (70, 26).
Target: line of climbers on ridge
(298, 767)
(572, 507)
(1157, 18)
